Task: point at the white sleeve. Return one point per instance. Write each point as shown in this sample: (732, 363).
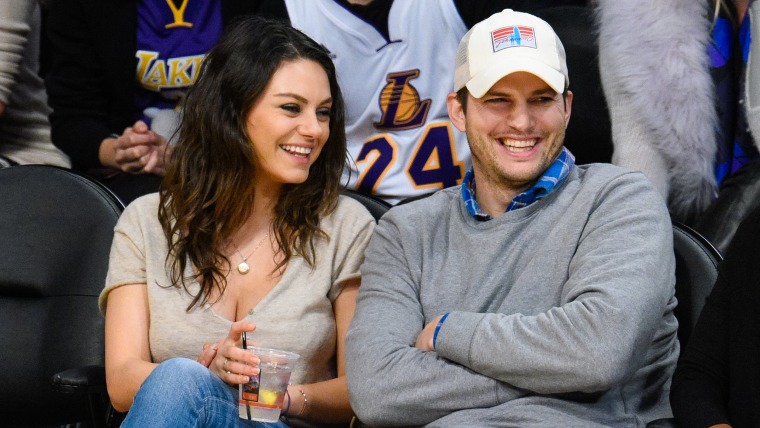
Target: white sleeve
(14, 30)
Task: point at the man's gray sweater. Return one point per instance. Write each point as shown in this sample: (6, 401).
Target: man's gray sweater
(560, 313)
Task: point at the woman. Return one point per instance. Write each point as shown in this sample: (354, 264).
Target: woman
(248, 234)
(717, 380)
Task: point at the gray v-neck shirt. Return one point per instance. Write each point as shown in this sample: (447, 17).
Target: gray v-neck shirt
(296, 315)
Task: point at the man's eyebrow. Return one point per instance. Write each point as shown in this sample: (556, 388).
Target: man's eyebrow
(545, 91)
(496, 94)
(542, 91)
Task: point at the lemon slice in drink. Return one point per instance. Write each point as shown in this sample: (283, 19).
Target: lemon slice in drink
(267, 396)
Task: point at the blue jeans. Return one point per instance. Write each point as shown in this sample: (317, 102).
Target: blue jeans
(183, 393)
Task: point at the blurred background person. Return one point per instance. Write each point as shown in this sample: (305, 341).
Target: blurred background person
(736, 74)
(655, 72)
(683, 92)
(717, 380)
(24, 125)
(119, 70)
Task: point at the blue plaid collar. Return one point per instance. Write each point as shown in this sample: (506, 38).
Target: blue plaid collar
(554, 176)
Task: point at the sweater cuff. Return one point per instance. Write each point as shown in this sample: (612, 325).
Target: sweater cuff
(454, 341)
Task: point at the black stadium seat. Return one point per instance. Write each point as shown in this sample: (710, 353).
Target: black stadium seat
(56, 229)
(696, 271)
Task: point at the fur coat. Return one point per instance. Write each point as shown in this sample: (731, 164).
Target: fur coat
(656, 78)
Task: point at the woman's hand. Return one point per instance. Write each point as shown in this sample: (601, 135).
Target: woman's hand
(138, 150)
(209, 352)
(231, 363)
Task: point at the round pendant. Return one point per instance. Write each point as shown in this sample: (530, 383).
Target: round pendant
(243, 268)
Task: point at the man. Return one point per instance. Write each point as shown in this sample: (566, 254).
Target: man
(537, 293)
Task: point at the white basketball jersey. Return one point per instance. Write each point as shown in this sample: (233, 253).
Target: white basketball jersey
(399, 135)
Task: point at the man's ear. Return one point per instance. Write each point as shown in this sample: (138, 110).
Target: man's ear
(456, 112)
(568, 107)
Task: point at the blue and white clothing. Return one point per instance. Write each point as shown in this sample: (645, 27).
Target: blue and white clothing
(554, 176)
(729, 52)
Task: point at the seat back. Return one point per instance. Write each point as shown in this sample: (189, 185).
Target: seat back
(56, 229)
(376, 206)
(696, 271)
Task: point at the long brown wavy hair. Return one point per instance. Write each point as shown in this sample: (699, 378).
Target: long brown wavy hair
(207, 193)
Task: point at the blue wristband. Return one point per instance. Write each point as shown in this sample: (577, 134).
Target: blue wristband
(438, 328)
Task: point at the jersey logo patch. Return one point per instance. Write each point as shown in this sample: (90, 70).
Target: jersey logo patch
(178, 13)
(156, 74)
(400, 103)
(510, 37)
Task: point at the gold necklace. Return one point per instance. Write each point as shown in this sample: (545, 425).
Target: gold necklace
(244, 267)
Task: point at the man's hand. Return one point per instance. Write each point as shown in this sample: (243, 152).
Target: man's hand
(138, 150)
(425, 339)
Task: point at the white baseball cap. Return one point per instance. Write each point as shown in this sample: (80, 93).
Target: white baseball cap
(505, 43)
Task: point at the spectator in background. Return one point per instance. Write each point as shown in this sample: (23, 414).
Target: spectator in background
(735, 63)
(24, 125)
(717, 380)
(683, 91)
(537, 293)
(654, 66)
(118, 69)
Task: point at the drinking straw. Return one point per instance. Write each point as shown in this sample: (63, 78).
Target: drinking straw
(247, 406)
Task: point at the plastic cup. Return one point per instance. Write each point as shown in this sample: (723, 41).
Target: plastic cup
(261, 398)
